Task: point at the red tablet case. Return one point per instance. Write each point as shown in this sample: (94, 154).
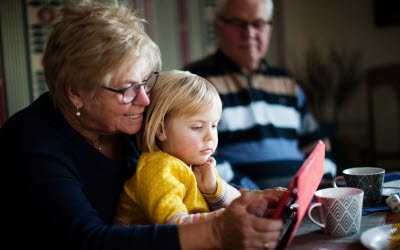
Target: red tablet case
(303, 186)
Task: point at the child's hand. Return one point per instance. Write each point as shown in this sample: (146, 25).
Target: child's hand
(206, 177)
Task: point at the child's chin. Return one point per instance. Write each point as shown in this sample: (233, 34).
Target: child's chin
(201, 162)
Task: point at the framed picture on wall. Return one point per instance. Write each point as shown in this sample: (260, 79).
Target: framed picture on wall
(41, 16)
(209, 12)
(387, 12)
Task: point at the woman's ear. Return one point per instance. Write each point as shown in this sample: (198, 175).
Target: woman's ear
(160, 134)
(74, 96)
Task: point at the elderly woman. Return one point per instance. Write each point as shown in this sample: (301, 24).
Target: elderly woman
(66, 156)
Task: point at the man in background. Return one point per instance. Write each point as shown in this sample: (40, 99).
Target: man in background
(265, 131)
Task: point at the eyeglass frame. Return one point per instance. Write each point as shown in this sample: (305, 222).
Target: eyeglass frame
(243, 24)
(137, 85)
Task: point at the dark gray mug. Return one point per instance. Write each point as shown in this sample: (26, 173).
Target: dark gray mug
(369, 179)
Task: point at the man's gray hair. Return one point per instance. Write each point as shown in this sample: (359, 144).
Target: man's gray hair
(220, 6)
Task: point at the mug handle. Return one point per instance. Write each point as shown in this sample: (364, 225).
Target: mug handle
(335, 180)
(311, 218)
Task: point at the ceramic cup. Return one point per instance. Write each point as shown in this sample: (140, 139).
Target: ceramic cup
(339, 209)
(369, 179)
(393, 202)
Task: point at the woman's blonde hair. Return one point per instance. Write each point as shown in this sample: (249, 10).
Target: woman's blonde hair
(175, 93)
(93, 40)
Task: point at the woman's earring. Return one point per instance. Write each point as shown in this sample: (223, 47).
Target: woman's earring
(78, 113)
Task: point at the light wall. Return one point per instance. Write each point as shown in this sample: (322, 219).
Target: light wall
(14, 52)
(345, 24)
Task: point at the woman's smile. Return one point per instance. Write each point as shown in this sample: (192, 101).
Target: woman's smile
(133, 117)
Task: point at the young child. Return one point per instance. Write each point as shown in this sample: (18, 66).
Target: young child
(178, 137)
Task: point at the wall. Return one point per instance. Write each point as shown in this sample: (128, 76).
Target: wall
(165, 19)
(166, 31)
(14, 52)
(346, 24)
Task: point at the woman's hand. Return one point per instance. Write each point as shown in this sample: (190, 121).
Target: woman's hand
(206, 177)
(239, 228)
(273, 196)
(236, 228)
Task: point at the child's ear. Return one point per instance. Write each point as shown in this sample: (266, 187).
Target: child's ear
(160, 134)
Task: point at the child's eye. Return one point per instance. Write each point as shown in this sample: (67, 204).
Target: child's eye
(215, 126)
(197, 127)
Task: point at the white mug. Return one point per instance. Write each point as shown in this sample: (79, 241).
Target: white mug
(340, 210)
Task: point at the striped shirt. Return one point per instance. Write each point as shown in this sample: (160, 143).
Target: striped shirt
(265, 127)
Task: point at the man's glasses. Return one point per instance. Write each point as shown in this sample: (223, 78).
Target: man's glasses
(243, 24)
(129, 94)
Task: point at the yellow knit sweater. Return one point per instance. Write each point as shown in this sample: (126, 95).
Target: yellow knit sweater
(164, 190)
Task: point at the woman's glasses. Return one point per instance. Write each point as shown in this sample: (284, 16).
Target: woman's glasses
(129, 94)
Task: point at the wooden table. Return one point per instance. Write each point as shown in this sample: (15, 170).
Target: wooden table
(392, 218)
(309, 236)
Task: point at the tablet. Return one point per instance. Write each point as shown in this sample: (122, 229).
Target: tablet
(293, 206)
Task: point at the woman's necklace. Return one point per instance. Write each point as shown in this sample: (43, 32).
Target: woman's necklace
(73, 121)
(96, 144)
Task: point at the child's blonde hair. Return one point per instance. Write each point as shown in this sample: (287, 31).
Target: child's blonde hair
(175, 93)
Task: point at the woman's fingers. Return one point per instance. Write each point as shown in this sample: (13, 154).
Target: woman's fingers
(270, 237)
(264, 225)
(273, 195)
(239, 228)
(266, 231)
